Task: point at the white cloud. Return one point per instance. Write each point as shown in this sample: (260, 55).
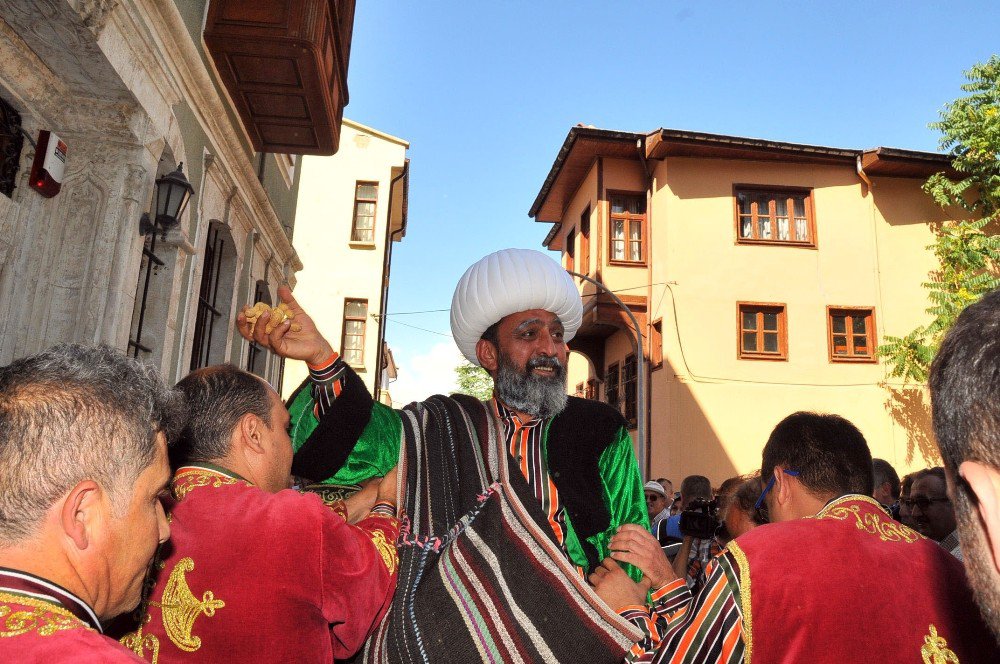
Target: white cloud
(425, 374)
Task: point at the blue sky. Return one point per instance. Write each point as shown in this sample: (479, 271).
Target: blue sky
(486, 92)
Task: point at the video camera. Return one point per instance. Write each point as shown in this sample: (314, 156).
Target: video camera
(701, 519)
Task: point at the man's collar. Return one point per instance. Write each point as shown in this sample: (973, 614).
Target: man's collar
(212, 468)
(25, 584)
(505, 413)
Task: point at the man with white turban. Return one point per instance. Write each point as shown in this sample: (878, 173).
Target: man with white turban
(510, 503)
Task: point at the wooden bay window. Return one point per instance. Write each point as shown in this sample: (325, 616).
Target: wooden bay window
(774, 216)
(627, 226)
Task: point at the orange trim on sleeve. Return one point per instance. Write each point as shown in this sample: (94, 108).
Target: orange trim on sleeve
(322, 365)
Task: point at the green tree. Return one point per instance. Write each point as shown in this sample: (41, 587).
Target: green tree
(967, 253)
(474, 381)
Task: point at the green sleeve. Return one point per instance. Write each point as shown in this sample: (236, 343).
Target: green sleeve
(376, 451)
(623, 494)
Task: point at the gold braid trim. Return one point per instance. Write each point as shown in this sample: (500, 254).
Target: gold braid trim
(744, 565)
(45, 618)
(137, 642)
(887, 529)
(386, 549)
(189, 479)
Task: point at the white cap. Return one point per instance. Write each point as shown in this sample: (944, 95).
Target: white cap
(505, 283)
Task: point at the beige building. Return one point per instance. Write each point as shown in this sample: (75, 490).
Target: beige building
(351, 209)
(134, 89)
(763, 275)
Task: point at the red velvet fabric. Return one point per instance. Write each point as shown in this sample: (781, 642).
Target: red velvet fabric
(27, 642)
(249, 576)
(852, 585)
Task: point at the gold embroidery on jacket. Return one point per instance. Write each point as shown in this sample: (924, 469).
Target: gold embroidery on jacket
(745, 607)
(887, 529)
(179, 607)
(45, 618)
(137, 642)
(385, 549)
(194, 478)
(935, 649)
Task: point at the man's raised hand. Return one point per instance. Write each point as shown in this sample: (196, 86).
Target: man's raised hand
(303, 344)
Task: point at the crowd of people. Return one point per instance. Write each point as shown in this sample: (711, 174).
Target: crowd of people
(212, 522)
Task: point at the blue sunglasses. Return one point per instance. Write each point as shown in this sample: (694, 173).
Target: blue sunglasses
(770, 485)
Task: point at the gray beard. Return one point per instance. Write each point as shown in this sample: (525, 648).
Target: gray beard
(527, 393)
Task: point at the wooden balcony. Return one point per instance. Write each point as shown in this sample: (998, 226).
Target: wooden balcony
(284, 63)
(602, 318)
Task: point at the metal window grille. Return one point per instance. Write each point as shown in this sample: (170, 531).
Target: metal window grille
(257, 357)
(629, 385)
(150, 262)
(11, 142)
(208, 311)
(611, 386)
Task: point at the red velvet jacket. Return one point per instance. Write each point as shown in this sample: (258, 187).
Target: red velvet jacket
(852, 585)
(249, 576)
(42, 623)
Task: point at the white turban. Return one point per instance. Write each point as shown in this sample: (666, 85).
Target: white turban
(506, 282)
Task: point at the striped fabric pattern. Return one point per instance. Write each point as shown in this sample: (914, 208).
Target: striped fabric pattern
(482, 578)
(327, 383)
(685, 628)
(524, 442)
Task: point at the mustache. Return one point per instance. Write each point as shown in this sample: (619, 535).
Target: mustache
(544, 362)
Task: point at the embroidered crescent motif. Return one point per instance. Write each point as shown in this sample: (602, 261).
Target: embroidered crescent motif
(179, 607)
(385, 549)
(42, 617)
(935, 649)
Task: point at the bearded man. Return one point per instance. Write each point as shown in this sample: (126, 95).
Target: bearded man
(508, 503)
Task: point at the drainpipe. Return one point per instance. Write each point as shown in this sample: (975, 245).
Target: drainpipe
(648, 385)
(386, 262)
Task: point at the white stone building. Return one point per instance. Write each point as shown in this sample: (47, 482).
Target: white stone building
(132, 90)
(351, 210)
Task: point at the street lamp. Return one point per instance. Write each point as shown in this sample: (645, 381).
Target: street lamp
(640, 375)
(173, 191)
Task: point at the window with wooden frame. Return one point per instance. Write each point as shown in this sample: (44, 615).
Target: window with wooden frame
(571, 251)
(775, 216)
(591, 392)
(851, 334)
(585, 242)
(611, 386)
(363, 227)
(629, 387)
(579, 390)
(763, 331)
(627, 228)
(352, 342)
(656, 345)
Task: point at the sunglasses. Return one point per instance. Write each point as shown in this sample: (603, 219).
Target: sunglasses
(923, 502)
(653, 497)
(759, 505)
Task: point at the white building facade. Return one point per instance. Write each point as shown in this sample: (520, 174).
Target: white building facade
(351, 211)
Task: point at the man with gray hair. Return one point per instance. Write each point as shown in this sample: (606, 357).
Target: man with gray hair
(509, 501)
(83, 466)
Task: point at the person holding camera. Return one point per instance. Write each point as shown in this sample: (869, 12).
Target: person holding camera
(689, 537)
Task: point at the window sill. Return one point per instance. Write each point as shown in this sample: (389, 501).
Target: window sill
(766, 358)
(776, 243)
(853, 360)
(353, 244)
(627, 263)
(359, 368)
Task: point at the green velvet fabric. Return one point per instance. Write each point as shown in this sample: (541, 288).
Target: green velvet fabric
(374, 455)
(622, 492)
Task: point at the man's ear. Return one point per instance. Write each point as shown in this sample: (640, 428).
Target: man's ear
(249, 430)
(79, 512)
(782, 485)
(486, 353)
(985, 483)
